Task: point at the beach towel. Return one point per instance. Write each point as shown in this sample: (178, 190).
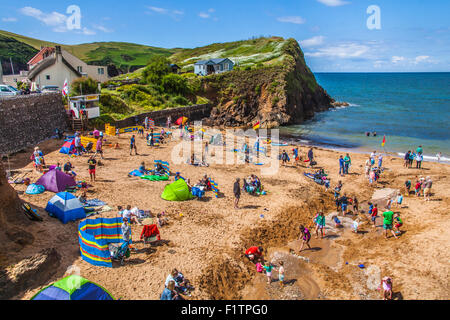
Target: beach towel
(155, 178)
(94, 203)
(136, 173)
(150, 231)
(35, 189)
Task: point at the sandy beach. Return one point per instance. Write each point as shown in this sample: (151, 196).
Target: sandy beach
(207, 243)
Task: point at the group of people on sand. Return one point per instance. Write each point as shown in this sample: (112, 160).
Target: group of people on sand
(255, 255)
(176, 286)
(422, 187)
(297, 157)
(373, 170)
(410, 156)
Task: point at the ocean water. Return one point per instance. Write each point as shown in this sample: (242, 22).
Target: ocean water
(411, 109)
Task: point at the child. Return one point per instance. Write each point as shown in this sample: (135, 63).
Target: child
(386, 284)
(337, 222)
(408, 186)
(370, 208)
(92, 164)
(305, 235)
(161, 220)
(397, 223)
(281, 273)
(259, 266)
(84, 186)
(374, 215)
(417, 188)
(355, 204)
(320, 222)
(58, 166)
(268, 268)
(355, 225)
(399, 199)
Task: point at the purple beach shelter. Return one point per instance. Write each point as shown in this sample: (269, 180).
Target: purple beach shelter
(56, 181)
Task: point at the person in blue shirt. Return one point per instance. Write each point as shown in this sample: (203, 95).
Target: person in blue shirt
(341, 166)
(133, 145)
(169, 292)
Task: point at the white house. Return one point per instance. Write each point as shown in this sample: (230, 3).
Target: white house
(213, 66)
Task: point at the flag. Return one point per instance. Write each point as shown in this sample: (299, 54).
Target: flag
(384, 141)
(256, 126)
(65, 90)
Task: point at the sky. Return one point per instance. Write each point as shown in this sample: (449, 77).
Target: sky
(409, 35)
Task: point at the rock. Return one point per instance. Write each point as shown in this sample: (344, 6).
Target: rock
(29, 273)
(340, 104)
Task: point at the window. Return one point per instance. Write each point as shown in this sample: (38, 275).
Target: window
(4, 89)
(47, 77)
(80, 69)
(101, 71)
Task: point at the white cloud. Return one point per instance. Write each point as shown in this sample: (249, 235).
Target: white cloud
(102, 28)
(312, 42)
(204, 15)
(211, 10)
(420, 59)
(293, 19)
(397, 59)
(333, 3)
(159, 10)
(88, 32)
(9, 19)
(54, 19)
(178, 12)
(343, 51)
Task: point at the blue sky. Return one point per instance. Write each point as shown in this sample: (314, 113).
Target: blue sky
(414, 34)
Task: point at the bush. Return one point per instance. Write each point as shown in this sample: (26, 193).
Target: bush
(112, 104)
(83, 86)
(155, 71)
(175, 84)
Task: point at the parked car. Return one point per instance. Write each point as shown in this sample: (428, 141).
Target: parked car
(8, 91)
(47, 89)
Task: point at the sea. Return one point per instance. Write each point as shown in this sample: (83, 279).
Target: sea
(410, 109)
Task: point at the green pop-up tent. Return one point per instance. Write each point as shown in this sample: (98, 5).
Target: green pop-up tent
(177, 191)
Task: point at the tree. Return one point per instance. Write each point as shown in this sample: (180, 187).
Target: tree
(175, 84)
(83, 86)
(157, 68)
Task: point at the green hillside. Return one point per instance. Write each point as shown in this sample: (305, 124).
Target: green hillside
(17, 52)
(124, 56)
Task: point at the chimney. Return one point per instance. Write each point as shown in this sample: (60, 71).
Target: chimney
(58, 53)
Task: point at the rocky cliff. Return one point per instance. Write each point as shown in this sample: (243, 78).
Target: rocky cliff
(282, 94)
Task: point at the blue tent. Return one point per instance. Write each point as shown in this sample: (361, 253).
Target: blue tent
(35, 189)
(73, 288)
(68, 147)
(66, 207)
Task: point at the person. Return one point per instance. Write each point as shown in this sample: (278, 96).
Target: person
(146, 123)
(419, 150)
(58, 166)
(133, 145)
(417, 188)
(39, 163)
(397, 223)
(412, 156)
(92, 164)
(408, 186)
(337, 222)
(372, 176)
(406, 163)
(151, 138)
(337, 190)
(388, 204)
(126, 231)
(259, 266)
(169, 292)
(419, 159)
(83, 197)
(439, 156)
(284, 157)
(78, 145)
(237, 193)
(311, 157)
(128, 214)
(344, 203)
(281, 273)
(427, 188)
(355, 204)
(386, 284)
(355, 224)
(118, 133)
(368, 166)
(296, 155)
(374, 215)
(380, 161)
(182, 285)
(347, 163)
(341, 166)
(206, 149)
(319, 220)
(99, 148)
(268, 268)
(169, 121)
(254, 253)
(399, 200)
(374, 134)
(178, 176)
(305, 235)
(68, 168)
(387, 223)
(162, 221)
(373, 156)
(96, 133)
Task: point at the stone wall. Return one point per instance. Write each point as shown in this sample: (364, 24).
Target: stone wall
(196, 112)
(27, 120)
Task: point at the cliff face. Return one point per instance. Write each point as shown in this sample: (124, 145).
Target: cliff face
(278, 95)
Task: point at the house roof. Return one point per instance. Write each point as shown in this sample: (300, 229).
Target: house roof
(46, 51)
(47, 62)
(174, 65)
(212, 61)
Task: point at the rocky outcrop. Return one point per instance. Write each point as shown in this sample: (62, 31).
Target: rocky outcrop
(278, 95)
(29, 273)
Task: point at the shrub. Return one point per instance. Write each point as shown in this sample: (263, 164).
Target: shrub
(83, 86)
(175, 84)
(112, 104)
(156, 69)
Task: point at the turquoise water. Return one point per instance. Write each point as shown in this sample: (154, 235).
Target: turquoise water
(411, 109)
